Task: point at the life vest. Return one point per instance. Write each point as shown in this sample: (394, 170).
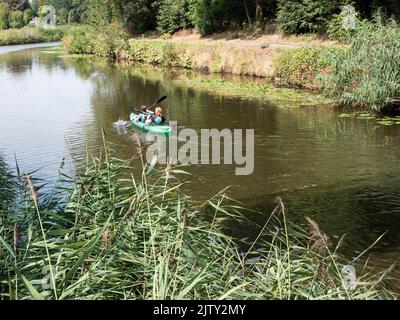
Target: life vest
(156, 119)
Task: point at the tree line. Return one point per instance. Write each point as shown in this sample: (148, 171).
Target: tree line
(207, 16)
(15, 13)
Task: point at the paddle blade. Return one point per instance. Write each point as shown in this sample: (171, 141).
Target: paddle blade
(161, 99)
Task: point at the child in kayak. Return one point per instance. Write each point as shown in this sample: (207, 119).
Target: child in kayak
(142, 116)
(156, 118)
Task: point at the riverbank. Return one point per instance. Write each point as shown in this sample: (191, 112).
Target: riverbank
(250, 57)
(18, 47)
(338, 70)
(113, 238)
(256, 89)
(237, 57)
(31, 35)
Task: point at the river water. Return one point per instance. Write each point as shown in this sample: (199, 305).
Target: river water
(342, 172)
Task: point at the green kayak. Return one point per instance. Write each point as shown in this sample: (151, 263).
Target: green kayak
(154, 128)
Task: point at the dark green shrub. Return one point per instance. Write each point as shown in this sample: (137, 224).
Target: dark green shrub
(303, 16)
(4, 16)
(174, 15)
(218, 15)
(137, 16)
(16, 19)
(99, 13)
(335, 30)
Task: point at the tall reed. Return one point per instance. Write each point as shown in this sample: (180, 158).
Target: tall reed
(116, 236)
(367, 73)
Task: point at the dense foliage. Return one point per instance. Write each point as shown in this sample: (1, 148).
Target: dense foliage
(111, 42)
(15, 14)
(107, 237)
(207, 16)
(4, 16)
(367, 73)
(304, 16)
(17, 5)
(301, 67)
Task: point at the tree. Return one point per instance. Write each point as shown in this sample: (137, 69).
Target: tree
(303, 16)
(259, 13)
(136, 15)
(4, 16)
(28, 15)
(174, 15)
(219, 15)
(34, 6)
(15, 5)
(16, 19)
(99, 13)
(62, 16)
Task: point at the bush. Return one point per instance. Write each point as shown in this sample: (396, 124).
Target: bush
(4, 16)
(110, 42)
(301, 67)
(303, 16)
(28, 15)
(62, 16)
(368, 72)
(16, 19)
(80, 41)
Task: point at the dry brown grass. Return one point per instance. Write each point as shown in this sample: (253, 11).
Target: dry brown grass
(236, 53)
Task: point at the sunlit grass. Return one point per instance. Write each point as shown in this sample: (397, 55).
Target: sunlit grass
(113, 237)
(366, 74)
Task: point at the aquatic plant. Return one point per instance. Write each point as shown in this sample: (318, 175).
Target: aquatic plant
(117, 236)
(367, 74)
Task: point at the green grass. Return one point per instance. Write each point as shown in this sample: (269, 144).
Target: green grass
(114, 236)
(381, 120)
(236, 86)
(366, 74)
(30, 35)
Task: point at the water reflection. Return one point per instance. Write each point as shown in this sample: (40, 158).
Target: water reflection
(342, 172)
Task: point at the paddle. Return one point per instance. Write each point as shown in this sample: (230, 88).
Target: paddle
(158, 102)
(153, 105)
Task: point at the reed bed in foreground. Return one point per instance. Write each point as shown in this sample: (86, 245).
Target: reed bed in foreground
(113, 237)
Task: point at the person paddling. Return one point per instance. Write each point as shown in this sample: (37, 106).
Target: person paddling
(156, 118)
(142, 116)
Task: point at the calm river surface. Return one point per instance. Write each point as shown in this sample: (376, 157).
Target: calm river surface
(343, 172)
